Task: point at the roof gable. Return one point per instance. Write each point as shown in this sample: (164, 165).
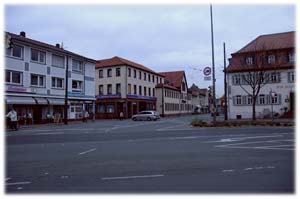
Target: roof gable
(174, 78)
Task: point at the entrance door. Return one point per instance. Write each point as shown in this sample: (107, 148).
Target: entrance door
(134, 108)
(292, 103)
(129, 109)
(37, 114)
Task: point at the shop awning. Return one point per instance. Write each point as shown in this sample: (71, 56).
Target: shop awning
(19, 100)
(53, 101)
(41, 101)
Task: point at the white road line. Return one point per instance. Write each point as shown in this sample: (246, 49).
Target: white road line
(247, 169)
(132, 177)
(84, 152)
(228, 170)
(275, 146)
(241, 147)
(17, 183)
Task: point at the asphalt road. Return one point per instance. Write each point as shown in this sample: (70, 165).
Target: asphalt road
(166, 156)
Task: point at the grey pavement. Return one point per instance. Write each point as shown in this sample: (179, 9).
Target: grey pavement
(165, 156)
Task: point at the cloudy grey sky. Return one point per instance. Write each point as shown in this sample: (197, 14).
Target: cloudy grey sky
(161, 37)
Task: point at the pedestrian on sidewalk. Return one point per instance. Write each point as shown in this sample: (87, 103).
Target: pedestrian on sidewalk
(121, 115)
(86, 116)
(12, 114)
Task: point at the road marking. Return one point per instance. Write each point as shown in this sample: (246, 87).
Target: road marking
(54, 133)
(20, 188)
(228, 170)
(84, 152)
(17, 183)
(132, 177)
(247, 169)
(7, 179)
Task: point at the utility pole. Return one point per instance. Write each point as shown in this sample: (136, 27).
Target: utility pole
(225, 85)
(66, 92)
(213, 66)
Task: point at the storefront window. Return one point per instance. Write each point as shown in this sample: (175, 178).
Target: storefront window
(110, 109)
(101, 109)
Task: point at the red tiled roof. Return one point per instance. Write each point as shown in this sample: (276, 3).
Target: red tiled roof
(15, 37)
(118, 61)
(270, 42)
(174, 78)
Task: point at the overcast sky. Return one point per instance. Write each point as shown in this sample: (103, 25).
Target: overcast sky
(161, 37)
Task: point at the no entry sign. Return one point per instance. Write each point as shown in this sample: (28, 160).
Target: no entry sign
(207, 71)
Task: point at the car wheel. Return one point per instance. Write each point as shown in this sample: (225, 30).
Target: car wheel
(148, 118)
(134, 119)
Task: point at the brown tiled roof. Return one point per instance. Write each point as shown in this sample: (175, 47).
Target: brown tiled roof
(279, 41)
(25, 40)
(270, 42)
(174, 78)
(118, 61)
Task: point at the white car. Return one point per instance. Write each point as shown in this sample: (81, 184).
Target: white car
(146, 115)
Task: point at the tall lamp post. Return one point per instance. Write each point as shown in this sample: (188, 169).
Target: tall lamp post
(225, 86)
(213, 66)
(66, 92)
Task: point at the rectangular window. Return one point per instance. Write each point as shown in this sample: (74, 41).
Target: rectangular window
(145, 76)
(149, 91)
(129, 89)
(100, 73)
(101, 90)
(14, 77)
(77, 86)
(101, 109)
(236, 79)
(134, 73)
(291, 77)
(129, 72)
(38, 56)
(153, 92)
(271, 59)
(160, 80)
(134, 89)
(249, 61)
(57, 82)
(110, 108)
(140, 90)
(109, 72)
(118, 88)
(37, 80)
(77, 66)
(152, 78)
(238, 100)
(275, 77)
(274, 99)
(261, 99)
(118, 72)
(149, 78)
(109, 89)
(157, 80)
(16, 51)
(291, 57)
(140, 75)
(249, 100)
(58, 61)
(145, 91)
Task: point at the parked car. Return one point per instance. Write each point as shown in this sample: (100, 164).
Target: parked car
(146, 115)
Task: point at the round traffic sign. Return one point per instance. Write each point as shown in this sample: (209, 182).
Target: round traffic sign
(207, 71)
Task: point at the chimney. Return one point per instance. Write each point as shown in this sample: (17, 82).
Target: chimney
(57, 45)
(23, 34)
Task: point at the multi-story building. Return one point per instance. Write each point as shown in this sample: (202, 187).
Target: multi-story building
(124, 86)
(199, 99)
(35, 81)
(173, 97)
(268, 60)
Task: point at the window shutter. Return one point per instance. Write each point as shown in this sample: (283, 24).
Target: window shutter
(279, 98)
(233, 100)
(268, 99)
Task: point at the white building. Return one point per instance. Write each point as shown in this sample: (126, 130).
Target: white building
(199, 99)
(35, 79)
(274, 54)
(173, 97)
(124, 86)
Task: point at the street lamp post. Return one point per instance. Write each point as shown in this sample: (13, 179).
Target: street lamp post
(66, 92)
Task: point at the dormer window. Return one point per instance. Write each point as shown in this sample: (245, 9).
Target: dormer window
(291, 57)
(249, 61)
(271, 59)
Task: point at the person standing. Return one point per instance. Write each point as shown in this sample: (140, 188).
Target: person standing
(86, 115)
(13, 119)
(121, 115)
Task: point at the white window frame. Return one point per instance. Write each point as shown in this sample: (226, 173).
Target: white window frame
(261, 98)
(109, 91)
(38, 80)
(9, 51)
(101, 73)
(10, 77)
(249, 60)
(58, 56)
(291, 57)
(78, 67)
(39, 56)
(275, 77)
(238, 100)
(55, 79)
(79, 86)
(101, 89)
(291, 77)
(271, 59)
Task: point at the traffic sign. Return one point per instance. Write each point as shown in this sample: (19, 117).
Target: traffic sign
(207, 71)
